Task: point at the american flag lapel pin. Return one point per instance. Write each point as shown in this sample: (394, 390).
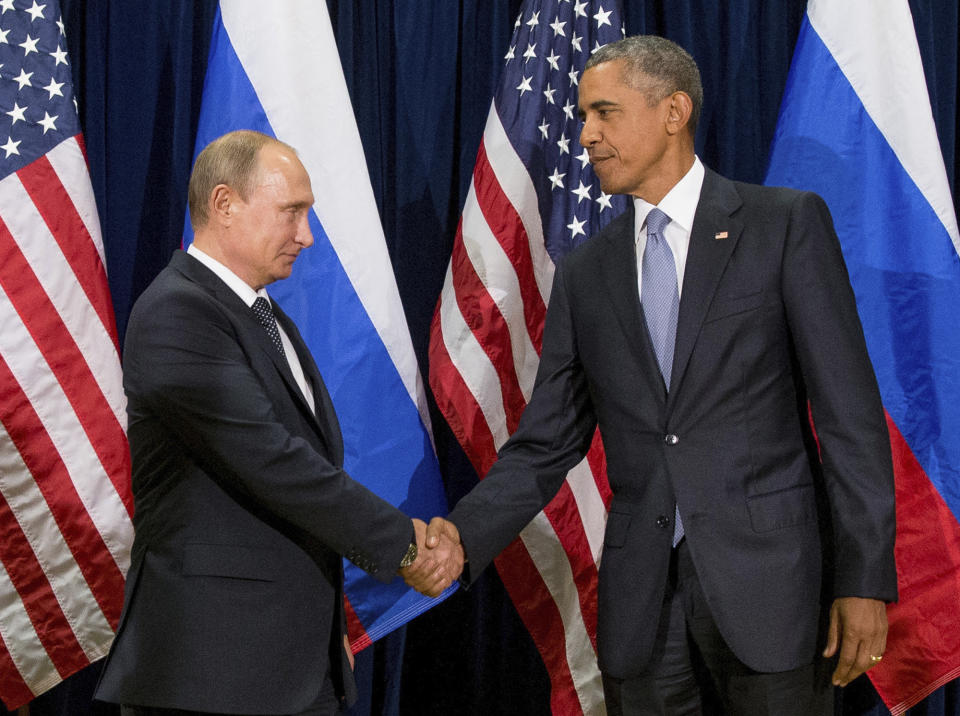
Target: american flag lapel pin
(720, 235)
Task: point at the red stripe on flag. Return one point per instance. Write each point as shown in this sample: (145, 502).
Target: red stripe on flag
(40, 455)
(928, 577)
(39, 601)
(457, 404)
(482, 315)
(356, 632)
(505, 223)
(12, 686)
(60, 215)
(542, 618)
(597, 459)
(68, 365)
(564, 516)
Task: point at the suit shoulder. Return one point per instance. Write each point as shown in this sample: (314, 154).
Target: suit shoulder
(591, 250)
(775, 196)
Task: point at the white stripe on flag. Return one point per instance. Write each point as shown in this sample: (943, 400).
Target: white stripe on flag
(882, 62)
(498, 276)
(77, 602)
(70, 165)
(345, 202)
(21, 640)
(515, 182)
(554, 567)
(53, 271)
(472, 363)
(91, 482)
(593, 513)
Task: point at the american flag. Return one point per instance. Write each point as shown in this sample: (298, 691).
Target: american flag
(65, 502)
(533, 198)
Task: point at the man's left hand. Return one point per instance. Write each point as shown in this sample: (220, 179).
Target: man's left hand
(858, 629)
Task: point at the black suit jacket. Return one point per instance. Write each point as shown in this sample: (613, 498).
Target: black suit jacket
(767, 321)
(234, 598)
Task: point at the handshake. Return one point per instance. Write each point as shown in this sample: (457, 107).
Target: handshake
(439, 559)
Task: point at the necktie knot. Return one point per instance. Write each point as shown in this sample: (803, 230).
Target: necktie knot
(656, 222)
(264, 313)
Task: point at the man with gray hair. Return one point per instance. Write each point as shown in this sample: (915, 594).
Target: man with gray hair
(695, 330)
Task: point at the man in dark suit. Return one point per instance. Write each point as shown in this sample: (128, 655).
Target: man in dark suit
(694, 330)
(234, 598)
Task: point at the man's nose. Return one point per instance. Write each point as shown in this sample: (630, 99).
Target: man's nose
(304, 235)
(588, 134)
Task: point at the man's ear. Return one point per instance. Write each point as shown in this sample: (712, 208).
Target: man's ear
(222, 203)
(681, 107)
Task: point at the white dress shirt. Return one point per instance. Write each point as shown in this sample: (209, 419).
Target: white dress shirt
(248, 296)
(680, 204)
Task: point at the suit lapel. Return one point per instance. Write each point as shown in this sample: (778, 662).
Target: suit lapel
(712, 240)
(620, 277)
(324, 416)
(253, 333)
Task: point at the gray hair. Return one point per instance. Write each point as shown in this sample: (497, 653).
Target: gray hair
(231, 159)
(657, 67)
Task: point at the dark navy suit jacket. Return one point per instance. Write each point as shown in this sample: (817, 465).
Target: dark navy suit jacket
(234, 598)
(767, 322)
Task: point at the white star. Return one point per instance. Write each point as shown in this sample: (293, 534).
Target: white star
(524, 86)
(564, 144)
(544, 128)
(49, 122)
(578, 8)
(530, 53)
(558, 27)
(36, 11)
(11, 147)
(576, 228)
(596, 46)
(602, 18)
(603, 200)
(575, 41)
(60, 56)
(517, 23)
(548, 93)
(556, 179)
(534, 19)
(552, 60)
(16, 113)
(572, 74)
(509, 56)
(584, 158)
(3, 37)
(582, 192)
(6, 5)
(568, 109)
(29, 45)
(54, 88)
(24, 78)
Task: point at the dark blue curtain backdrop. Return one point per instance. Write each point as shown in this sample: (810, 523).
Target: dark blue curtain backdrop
(421, 74)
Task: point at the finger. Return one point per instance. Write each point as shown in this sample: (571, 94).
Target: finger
(852, 656)
(434, 530)
(833, 634)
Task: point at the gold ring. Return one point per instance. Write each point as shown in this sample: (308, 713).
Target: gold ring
(875, 659)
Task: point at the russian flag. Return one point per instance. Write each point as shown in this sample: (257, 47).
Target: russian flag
(856, 127)
(276, 70)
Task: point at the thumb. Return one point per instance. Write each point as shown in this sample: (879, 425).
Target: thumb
(434, 530)
(833, 633)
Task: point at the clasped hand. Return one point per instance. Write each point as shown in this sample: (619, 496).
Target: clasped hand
(439, 557)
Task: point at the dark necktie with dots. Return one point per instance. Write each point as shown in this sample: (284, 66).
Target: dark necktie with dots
(264, 312)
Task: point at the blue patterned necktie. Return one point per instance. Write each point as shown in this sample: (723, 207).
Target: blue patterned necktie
(264, 312)
(660, 297)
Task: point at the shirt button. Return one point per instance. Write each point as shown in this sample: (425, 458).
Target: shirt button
(663, 522)
(671, 439)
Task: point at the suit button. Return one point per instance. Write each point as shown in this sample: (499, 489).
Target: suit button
(671, 439)
(663, 522)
